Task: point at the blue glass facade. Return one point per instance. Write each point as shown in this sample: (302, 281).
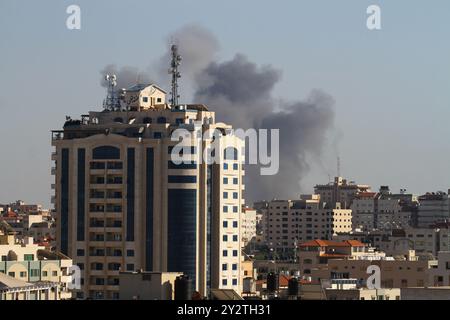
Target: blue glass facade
(64, 220)
(130, 193)
(81, 190)
(182, 231)
(149, 211)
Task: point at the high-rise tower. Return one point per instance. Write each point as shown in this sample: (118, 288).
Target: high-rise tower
(123, 204)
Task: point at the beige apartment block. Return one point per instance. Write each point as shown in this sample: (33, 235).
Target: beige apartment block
(147, 285)
(248, 226)
(33, 264)
(123, 204)
(291, 222)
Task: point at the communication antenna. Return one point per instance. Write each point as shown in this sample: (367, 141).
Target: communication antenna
(111, 102)
(338, 166)
(174, 64)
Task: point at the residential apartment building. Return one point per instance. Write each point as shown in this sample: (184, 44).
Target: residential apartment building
(248, 226)
(123, 204)
(340, 191)
(433, 208)
(33, 265)
(291, 222)
(381, 210)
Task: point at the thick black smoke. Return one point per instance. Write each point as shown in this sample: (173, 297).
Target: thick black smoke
(241, 94)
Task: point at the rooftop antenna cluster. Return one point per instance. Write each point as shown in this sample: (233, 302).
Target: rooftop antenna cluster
(112, 101)
(174, 64)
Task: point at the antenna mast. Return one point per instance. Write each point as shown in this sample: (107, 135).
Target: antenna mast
(338, 166)
(174, 64)
(111, 102)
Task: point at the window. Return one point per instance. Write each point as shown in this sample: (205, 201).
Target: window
(230, 153)
(235, 166)
(158, 100)
(161, 120)
(235, 282)
(235, 224)
(44, 273)
(235, 209)
(225, 209)
(225, 166)
(23, 274)
(145, 99)
(234, 266)
(147, 120)
(235, 238)
(34, 273)
(235, 195)
(225, 253)
(224, 282)
(225, 224)
(225, 238)
(55, 273)
(235, 253)
(157, 135)
(225, 195)
(235, 181)
(224, 267)
(80, 252)
(130, 267)
(105, 152)
(182, 179)
(12, 274)
(130, 253)
(225, 180)
(28, 257)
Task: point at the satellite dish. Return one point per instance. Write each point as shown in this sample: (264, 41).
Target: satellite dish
(141, 130)
(132, 120)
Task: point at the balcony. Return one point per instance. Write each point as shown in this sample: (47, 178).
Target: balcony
(53, 171)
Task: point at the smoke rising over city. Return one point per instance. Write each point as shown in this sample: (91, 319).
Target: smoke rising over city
(242, 94)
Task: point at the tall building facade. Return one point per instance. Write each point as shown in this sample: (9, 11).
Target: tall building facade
(124, 204)
(292, 222)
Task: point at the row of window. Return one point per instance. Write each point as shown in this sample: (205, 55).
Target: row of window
(226, 180)
(235, 195)
(234, 282)
(234, 266)
(116, 252)
(225, 224)
(225, 238)
(33, 273)
(235, 166)
(234, 208)
(225, 253)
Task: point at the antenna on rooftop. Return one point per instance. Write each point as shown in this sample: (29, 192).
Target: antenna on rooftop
(111, 102)
(338, 166)
(174, 64)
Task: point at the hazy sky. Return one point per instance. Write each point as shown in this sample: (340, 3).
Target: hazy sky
(391, 87)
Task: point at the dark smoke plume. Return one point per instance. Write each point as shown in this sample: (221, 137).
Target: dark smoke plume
(241, 94)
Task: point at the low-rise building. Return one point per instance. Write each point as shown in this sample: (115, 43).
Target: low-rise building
(147, 285)
(31, 263)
